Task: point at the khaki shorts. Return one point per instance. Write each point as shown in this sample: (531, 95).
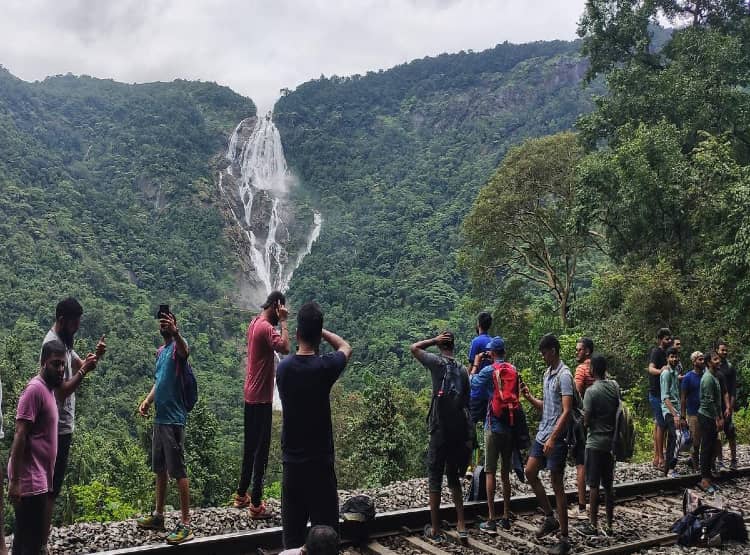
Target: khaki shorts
(497, 445)
(695, 431)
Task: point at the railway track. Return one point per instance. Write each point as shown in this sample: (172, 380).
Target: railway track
(643, 514)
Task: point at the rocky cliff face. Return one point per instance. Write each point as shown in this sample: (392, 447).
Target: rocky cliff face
(271, 232)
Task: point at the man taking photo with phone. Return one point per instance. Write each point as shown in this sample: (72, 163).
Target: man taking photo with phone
(263, 342)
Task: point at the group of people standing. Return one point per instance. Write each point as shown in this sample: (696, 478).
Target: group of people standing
(700, 401)
(490, 391)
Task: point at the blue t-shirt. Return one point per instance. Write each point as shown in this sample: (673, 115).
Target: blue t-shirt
(691, 385)
(170, 408)
(478, 345)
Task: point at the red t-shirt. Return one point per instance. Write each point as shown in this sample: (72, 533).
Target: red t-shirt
(262, 341)
(584, 378)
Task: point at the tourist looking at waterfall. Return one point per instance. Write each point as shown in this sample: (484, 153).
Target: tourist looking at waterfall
(68, 313)
(304, 380)
(32, 456)
(263, 341)
(168, 441)
(450, 429)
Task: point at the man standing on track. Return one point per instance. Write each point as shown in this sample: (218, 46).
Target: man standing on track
(550, 449)
(729, 373)
(710, 418)
(67, 321)
(305, 379)
(657, 362)
(690, 398)
(263, 341)
(671, 410)
(583, 379)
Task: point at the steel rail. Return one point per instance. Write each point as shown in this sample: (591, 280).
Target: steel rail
(394, 522)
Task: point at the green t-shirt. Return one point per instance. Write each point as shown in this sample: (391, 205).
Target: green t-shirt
(670, 389)
(710, 404)
(600, 405)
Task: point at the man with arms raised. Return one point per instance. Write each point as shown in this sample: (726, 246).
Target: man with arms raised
(449, 425)
(550, 449)
(168, 442)
(32, 456)
(304, 380)
(67, 321)
(263, 341)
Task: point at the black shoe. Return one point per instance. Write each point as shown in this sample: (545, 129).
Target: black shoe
(549, 525)
(505, 523)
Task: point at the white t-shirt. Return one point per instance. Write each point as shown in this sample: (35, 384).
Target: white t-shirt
(67, 407)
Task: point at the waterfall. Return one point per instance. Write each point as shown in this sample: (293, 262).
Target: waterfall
(262, 182)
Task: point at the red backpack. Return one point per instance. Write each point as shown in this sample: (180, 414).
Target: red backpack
(505, 395)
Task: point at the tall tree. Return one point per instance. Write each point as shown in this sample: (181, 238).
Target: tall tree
(524, 222)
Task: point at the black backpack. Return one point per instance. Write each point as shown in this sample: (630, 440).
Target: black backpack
(357, 514)
(709, 526)
(477, 490)
(449, 411)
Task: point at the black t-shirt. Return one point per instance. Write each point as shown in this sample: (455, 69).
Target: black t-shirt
(730, 376)
(658, 358)
(304, 384)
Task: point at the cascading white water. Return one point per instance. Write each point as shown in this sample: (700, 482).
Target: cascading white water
(259, 169)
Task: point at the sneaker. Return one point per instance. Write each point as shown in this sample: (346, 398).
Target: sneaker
(586, 529)
(549, 525)
(721, 465)
(151, 522)
(429, 536)
(181, 533)
(733, 465)
(580, 513)
(608, 531)
(260, 512)
(241, 501)
(674, 474)
(488, 526)
(463, 537)
(560, 548)
(505, 523)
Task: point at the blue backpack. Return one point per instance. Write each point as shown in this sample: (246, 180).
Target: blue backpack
(189, 384)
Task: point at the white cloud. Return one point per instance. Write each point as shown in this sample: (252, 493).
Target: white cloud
(258, 47)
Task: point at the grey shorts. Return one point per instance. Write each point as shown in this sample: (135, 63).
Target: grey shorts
(168, 450)
(497, 446)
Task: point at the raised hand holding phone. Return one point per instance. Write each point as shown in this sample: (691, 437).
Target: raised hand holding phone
(101, 347)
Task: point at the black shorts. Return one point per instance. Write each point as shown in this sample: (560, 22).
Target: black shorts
(61, 462)
(168, 450)
(600, 468)
(579, 452)
(446, 458)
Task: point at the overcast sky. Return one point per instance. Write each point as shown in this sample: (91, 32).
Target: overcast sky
(259, 46)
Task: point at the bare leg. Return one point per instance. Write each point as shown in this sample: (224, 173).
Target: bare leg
(609, 502)
(490, 484)
(532, 475)
(161, 492)
(48, 518)
(183, 484)
(505, 477)
(733, 449)
(458, 501)
(561, 501)
(435, 511)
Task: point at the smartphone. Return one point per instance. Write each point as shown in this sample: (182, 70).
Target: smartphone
(163, 311)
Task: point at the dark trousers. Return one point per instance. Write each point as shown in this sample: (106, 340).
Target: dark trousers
(708, 444)
(308, 491)
(671, 442)
(30, 520)
(255, 452)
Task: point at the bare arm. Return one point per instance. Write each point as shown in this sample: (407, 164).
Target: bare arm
(147, 402)
(536, 403)
(653, 370)
(20, 440)
(337, 343)
(418, 349)
(80, 369)
(562, 422)
(180, 346)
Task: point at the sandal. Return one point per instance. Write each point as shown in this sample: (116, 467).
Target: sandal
(429, 536)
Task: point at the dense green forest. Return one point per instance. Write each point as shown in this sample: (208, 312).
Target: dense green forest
(395, 160)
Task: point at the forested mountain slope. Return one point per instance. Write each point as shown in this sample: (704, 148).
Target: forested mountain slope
(107, 193)
(394, 159)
